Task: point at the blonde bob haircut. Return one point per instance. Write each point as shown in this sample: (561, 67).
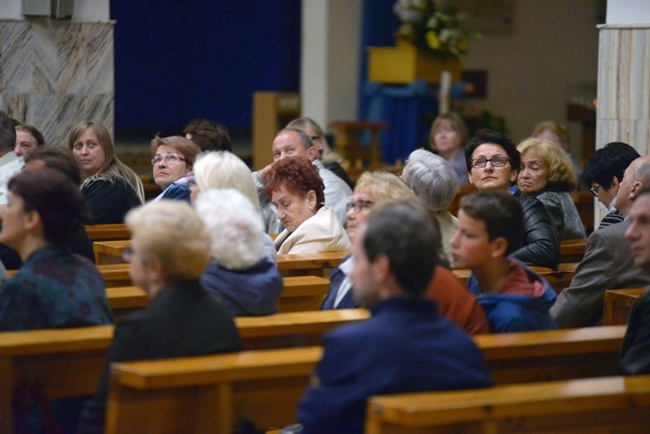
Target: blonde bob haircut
(112, 165)
(559, 170)
(170, 232)
(224, 169)
(384, 185)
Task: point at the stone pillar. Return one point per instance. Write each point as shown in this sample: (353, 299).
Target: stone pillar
(57, 73)
(624, 86)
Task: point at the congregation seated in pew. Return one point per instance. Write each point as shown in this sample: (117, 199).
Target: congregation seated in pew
(170, 247)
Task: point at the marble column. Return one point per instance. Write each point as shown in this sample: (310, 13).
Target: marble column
(624, 86)
(57, 73)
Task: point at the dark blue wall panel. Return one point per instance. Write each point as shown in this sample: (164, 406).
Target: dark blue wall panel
(180, 59)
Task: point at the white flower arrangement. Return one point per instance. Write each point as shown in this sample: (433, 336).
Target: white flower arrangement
(430, 28)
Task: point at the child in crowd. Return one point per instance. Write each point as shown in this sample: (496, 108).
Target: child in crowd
(490, 227)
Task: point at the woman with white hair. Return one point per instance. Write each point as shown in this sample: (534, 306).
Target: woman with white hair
(240, 275)
(434, 181)
(224, 169)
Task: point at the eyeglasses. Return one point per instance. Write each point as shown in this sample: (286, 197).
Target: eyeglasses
(594, 189)
(169, 159)
(496, 160)
(127, 254)
(359, 205)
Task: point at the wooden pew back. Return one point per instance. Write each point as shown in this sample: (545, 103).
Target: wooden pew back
(617, 304)
(117, 231)
(612, 404)
(248, 384)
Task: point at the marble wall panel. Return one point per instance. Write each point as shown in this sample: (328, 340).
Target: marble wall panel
(56, 73)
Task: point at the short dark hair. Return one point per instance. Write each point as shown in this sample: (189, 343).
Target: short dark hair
(7, 133)
(57, 158)
(297, 175)
(406, 233)
(607, 163)
(55, 198)
(500, 212)
(486, 135)
(209, 135)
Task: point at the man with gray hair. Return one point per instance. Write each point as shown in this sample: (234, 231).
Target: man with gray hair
(608, 261)
(434, 181)
(292, 141)
(10, 163)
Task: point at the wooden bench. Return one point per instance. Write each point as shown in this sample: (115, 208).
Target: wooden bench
(69, 362)
(592, 405)
(617, 304)
(207, 394)
(299, 293)
(572, 250)
(117, 231)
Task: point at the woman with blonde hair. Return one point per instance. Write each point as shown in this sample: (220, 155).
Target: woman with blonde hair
(546, 173)
(110, 187)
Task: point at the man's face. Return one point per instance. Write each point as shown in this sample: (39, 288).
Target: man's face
(470, 243)
(366, 288)
(639, 231)
(288, 143)
(490, 177)
(623, 200)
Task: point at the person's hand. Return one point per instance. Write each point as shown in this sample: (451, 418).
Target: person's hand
(263, 172)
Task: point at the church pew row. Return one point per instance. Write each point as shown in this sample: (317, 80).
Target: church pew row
(105, 232)
(611, 404)
(300, 293)
(572, 250)
(68, 362)
(618, 303)
(208, 394)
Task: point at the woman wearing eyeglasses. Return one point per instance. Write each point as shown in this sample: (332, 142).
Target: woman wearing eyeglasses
(110, 188)
(493, 163)
(172, 159)
(297, 191)
(547, 174)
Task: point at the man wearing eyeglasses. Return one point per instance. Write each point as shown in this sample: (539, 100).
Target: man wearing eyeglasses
(493, 163)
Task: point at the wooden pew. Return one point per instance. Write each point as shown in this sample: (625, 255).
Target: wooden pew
(572, 250)
(561, 278)
(592, 405)
(207, 394)
(69, 362)
(617, 304)
(299, 293)
(117, 231)
(317, 264)
(115, 274)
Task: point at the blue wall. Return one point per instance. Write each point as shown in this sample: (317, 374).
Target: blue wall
(176, 60)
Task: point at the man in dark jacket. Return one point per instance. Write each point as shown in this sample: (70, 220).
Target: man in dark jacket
(493, 163)
(405, 346)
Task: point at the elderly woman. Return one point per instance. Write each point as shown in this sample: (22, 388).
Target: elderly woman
(54, 288)
(297, 191)
(240, 276)
(454, 300)
(27, 138)
(110, 188)
(546, 174)
(226, 170)
(172, 159)
(170, 247)
(432, 179)
(558, 133)
(447, 137)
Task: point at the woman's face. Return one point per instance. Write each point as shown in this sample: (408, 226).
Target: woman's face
(170, 166)
(89, 153)
(25, 142)
(13, 222)
(445, 138)
(293, 209)
(533, 175)
(363, 199)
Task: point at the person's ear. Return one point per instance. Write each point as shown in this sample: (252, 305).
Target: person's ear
(32, 220)
(498, 247)
(312, 153)
(637, 186)
(615, 183)
(381, 268)
(513, 175)
(311, 200)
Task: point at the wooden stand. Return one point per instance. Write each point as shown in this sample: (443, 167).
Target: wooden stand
(348, 141)
(271, 112)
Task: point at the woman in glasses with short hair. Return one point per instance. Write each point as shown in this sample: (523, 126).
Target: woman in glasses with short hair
(172, 159)
(110, 188)
(547, 174)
